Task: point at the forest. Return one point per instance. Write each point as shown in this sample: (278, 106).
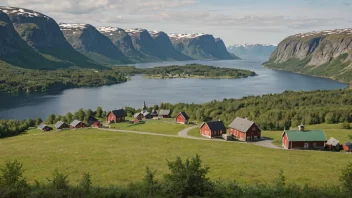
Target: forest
(10, 128)
(14, 79)
(186, 178)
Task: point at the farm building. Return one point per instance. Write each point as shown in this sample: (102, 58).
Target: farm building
(164, 113)
(347, 147)
(332, 145)
(116, 116)
(245, 130)
(303, 139)
(44, 127)
(154, 113)
(76, 124)
(147, 115)
(138, 116)
(182, 118)
(61, 125)
(212, 129)
(92, 121)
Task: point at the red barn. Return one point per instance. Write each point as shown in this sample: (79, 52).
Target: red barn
(212, 129)
(116, 116)
(245, 130)
(76, 124)
(303, 139)
(182, 118)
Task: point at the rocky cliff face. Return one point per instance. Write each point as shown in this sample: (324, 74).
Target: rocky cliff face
(43, 34)
(200, 46)
(325, 53)
(250, 51)
(15, 51)
(87, 40)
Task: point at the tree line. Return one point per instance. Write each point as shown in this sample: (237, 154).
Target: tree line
(10, 128)
(186, 178)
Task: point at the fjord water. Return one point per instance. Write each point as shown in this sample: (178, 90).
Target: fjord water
(155, 91)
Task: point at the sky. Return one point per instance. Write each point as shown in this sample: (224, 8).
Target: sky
(235, 21)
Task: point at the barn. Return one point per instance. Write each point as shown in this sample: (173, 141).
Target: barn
(138, 116)
(146, 115)
(116, 116)
(44, 127)
(333, 145)
(92, 121)
(154, 113)
(245, 130)
(182, 118)
(61, 125)
(165, 113)
(76, 124)
(212, 129)
(303, 139)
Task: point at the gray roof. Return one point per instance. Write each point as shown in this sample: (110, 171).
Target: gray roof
(332, 141)
(59, 124)
(137, 114)
(41, 126)
(215, 125)
(241, 124)
(164, 112)
(146, 113)
(75, 123)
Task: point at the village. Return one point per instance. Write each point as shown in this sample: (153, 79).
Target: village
(239, 130)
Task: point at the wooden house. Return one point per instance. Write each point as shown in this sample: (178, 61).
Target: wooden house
(245, 130)
(44, 127)
(92, 121)
(212, 129)
(61, 125)
(116, 116)
(347, 147)
(138, 116)
(154, 113)
(333, 145)
(303, 139)
(76, 124)
(147, 115)
(182, 118)
(165, 113)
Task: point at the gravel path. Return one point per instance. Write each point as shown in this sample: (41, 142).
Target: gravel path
(266, 143)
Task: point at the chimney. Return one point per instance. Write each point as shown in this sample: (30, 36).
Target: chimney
(301, 127)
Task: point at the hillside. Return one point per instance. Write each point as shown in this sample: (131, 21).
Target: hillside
(201, 46)
(250, 51)
(327, 54)
(43, 34)
(87, 40)
(15, 51)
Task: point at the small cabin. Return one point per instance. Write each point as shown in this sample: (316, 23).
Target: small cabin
(44, 127)
(61, 125)
(245, 130)
(116, 116)
(303, 139)
(138, 116)
(76, 124)
(212, 129)
(333, 145)
(347, 147)
(182, 118)
(154, 113)
(92, 121)
(165, 113)
(147, 115)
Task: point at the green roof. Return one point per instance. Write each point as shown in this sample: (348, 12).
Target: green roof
(306, 136)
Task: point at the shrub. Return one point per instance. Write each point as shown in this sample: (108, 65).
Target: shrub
(59, 181)
(346, 178)
(11, 176)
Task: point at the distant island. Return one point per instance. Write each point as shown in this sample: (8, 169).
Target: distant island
(195, 71)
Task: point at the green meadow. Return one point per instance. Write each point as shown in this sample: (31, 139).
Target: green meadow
(119, 158)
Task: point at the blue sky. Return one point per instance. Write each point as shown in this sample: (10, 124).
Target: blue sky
(235, 21)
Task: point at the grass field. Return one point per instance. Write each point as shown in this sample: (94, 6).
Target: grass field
(195, 133)
(164, 126)
(119, 158)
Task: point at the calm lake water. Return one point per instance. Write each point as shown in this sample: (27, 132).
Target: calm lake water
(155, 91)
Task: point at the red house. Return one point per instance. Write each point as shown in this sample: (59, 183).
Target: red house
(116, 116)
(303, 139)
(245, 130)
(212, 129)
(76, 124)
(182, 118)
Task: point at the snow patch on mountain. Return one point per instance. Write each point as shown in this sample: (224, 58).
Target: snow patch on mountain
(20, 11)
(188, 36)
(324, 33)
(72, 26)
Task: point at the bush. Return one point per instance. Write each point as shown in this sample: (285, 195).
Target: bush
(11, 176)
(346, 178)
(346, 125)
(59, 181)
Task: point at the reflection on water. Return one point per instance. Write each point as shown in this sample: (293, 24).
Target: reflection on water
(155, 91)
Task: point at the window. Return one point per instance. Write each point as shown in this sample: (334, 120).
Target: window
(306, 145)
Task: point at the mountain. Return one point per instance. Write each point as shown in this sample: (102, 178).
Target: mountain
(15, 51)
(250, 51)
(123, 42)
(87, 40)
(43, 34)
(326, 54)
(201, 46)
